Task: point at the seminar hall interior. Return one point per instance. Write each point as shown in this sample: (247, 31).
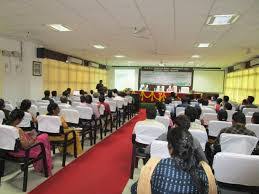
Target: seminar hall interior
(129, 97)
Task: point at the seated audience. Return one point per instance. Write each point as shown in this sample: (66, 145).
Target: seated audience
(115, 92)
(227, 106)
(250, 100)
(241, 106)
(199, 118)
(185, 102)
(28, 120)
(218, 104)
(91, 92)
(110, 95)
(255, 118)
(181, 173)
(68, 91)
(191, 113)
(53, 110)
(54, 96)
(29, 139)
(81, 92)
(64, 102)
(222, 115)
(6, 112)
(107, 109)
(204, 102)
(87, 101)
(66, 94)
(161, 108)
(96, 95)
(225, 100)
(47, 96)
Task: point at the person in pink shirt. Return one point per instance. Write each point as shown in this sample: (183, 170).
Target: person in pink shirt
(218, 104)
(106, 105)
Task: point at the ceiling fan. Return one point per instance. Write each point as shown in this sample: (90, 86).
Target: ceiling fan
(140, 33)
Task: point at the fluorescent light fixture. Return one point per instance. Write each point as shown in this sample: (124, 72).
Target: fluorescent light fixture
(203, 45)
(59, 27)
(98, 46)
(191, 62)
(119, 56)
(196, 56)
(161, 64)
(222, 19)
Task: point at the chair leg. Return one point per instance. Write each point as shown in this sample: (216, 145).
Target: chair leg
(53, 149)
(133, 161)
(64, 153)
(83, 139)
(111, 122)
(2, 167)
(45, 165)
(75, 146)
(25, 176)
(95, 136)
(101, 128)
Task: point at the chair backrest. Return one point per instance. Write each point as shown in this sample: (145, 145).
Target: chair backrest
(95, 100)
(42, 104)
(49, 124)
(215, 127)
(76, 98)
(170, 107)
(146, 133)
(43, 110)
(179, 110)
(248, 119)
(201, 136)
(130, 99)
(159, 149)
(119, 103)
(205, 109)
(254, 128)
(9, 107)
(43, 101)
(64, 106)
(101, 109)
(33, 110)
(112, 105)
(18, 104)
(125, 100)
(176, 103)
(2, 116)
(70, 115)
(250, 114)
(194, 104)
(207, 117)
(8, 137)
(85, 112)
(26, 121)
(247, 110)
(165, 120)
(230, 114)
(236, 143)
(236, 169)
(75, 104)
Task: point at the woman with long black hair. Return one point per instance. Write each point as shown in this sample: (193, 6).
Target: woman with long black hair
(182, 173)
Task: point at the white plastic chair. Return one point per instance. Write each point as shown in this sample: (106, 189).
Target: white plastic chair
(215, 127)
(207, 117)
(165, 120)
(236, 143)
(119, 103)
(254, 128)
(112, 105)
(159, 149)
(247, 110)
(85, 112)
(64, 106)
(8, 136)
(250, 114)
(101, 109)
(230, 114)
(179, 110)
(49, 124)
(146, 133)
(42, 104)
(207, 110)
(248, 119)
(75, 104)
(43, 110)
(236, 169)
(2, 116)
(70, 115)
(26, 121)
(9, 107)
(43, 101)
(33, 110)
(201, 136)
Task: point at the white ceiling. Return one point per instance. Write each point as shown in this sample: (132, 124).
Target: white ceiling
(172, 29)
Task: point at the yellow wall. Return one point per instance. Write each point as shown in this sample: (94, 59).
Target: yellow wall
(243, 83)
(59, 76)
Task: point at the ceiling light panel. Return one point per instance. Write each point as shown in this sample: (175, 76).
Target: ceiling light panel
(222, 19)
(59, 27)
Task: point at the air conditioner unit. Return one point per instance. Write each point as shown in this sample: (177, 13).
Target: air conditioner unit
(74, 60)
(239, 66)
(92, 64)
(254, 62)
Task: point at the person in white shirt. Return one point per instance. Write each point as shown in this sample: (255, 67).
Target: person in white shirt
(64, 102)
(191, 113)
(148, 130)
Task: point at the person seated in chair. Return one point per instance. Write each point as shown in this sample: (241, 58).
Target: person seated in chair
(218, 104)
(107, 109)
(29, 120)
(47, 96)
(222, 115)
(225, 100)
(255, 118)
(28, 139)
(6, 112)
(64, 102)
(227, 106)
(54, 96)
(191, 113)
(250, 100)
(53, 110)
(82, 92)
(161, 108)
(180, 173)
(87, 102)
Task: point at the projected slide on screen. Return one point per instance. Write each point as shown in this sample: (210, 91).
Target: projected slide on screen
(166, 78)
(208, 81)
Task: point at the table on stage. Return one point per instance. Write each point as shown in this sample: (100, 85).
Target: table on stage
(152, 96)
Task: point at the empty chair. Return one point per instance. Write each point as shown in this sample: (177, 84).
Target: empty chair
(236, 143)
(9, 107)
(159, 149)
(201, 136)
(230, 114)
(2, 116)
(254, 128)
(236, 169)
(214, 127)
(207, 117)
(33, 110)
(165, 120)
(70, 115)
(179, 110)
(43, 110)
(247, 110)
(248, 119)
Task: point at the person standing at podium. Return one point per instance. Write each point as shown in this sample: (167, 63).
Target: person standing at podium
(99, 86)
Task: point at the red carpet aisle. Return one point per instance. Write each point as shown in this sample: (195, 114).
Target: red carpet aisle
(104, 169)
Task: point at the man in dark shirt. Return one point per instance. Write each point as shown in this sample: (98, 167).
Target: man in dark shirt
(47, 96)
(99, 86)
